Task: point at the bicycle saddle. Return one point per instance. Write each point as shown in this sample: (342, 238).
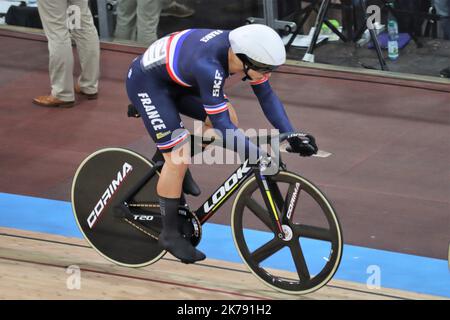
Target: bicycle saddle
(132, 112)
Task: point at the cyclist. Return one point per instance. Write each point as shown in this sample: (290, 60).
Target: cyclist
(185, 73)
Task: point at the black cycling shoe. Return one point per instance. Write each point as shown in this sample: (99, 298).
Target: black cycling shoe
(180, 247)
(171, 238)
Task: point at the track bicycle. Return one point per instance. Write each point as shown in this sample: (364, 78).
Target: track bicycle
(116, 207)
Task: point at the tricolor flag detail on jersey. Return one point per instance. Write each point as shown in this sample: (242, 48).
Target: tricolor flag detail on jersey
(172, 143)
(218, 108)
(173, 49)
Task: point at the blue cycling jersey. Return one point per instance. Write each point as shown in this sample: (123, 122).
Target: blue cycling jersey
(193, 63)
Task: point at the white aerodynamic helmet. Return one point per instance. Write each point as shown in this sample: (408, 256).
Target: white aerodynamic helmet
(258, 46)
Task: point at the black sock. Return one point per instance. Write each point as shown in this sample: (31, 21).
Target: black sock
(169, 205)
(171, 237)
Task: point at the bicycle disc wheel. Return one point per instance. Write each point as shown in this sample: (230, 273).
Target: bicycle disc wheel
(309, 254)
(101, 180)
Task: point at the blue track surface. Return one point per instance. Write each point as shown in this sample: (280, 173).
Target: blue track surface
(359, 264)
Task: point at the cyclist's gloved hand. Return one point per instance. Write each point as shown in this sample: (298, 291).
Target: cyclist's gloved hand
(303, 144)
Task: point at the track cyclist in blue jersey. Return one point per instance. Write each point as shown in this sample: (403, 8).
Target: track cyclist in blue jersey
(184, 73)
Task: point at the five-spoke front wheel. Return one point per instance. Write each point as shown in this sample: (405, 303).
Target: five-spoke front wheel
(308, 254)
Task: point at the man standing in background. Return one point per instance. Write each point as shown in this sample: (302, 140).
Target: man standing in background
(137, 20)
(58, 29)
(443, 9)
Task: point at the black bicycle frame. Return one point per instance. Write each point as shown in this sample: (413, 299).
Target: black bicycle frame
(224, 192)
(269, 191)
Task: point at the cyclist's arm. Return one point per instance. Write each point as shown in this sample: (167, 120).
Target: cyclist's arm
(271, 105)
(210, 79)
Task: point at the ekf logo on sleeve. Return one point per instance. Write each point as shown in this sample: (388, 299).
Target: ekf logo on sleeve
(218, 78)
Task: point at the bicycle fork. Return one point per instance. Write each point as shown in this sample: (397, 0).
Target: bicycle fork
(270, 202)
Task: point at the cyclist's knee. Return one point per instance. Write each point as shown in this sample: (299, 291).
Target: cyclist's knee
(174, 163)
(171, 177)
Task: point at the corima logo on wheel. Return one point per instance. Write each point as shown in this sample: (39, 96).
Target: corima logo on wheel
(108, 194)
(293, 201)
(226, 187)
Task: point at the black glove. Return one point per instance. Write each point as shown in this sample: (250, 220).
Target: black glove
(303, 144)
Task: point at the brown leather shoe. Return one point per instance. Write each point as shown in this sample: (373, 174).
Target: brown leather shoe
(90, 96)
(51, 101)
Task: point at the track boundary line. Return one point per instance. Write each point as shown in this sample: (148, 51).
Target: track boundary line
(138, 278)
(88, 247)
(200, 265)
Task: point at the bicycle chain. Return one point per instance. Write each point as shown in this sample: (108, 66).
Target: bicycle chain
(140, 229)
(143, 205)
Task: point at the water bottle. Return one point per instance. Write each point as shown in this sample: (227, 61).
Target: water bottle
(393, 37)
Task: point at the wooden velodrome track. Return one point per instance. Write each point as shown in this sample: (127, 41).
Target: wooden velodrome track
(35, 266)
(44, 146)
